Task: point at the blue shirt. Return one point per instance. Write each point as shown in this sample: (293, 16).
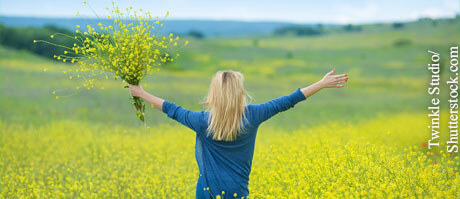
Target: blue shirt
(226, 165)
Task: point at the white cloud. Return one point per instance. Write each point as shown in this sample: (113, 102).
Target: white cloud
(446, 8)
(353, 14)
(430, 12)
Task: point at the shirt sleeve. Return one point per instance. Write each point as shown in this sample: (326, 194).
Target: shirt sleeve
(264, 111)
(188, 118)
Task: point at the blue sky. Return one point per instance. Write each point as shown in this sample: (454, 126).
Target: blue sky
(300, 11)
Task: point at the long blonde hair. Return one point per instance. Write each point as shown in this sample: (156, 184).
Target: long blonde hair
(226, 102)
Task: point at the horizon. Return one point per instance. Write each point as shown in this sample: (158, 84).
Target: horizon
(240, 21)
(351, 12)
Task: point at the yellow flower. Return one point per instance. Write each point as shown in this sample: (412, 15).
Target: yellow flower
(114, 51)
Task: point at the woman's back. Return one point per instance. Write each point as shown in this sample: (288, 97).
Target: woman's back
(226, 165)
(224, 154)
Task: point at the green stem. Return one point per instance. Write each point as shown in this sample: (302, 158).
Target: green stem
(140, 107)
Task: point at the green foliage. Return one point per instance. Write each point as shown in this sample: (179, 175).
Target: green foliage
(398, 25)
(289, 55)
(299, 31)
(196, 34)
(352, 28)
(255, 43)
(402, 42)
(22, 38)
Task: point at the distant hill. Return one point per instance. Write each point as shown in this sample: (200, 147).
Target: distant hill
(210, 28)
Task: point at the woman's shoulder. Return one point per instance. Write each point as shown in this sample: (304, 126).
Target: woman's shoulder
(251, 108)
(249, 113)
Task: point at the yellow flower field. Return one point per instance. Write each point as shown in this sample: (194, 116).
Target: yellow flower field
(372, 159)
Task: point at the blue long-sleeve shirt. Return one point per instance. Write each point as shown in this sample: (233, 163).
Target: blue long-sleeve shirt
(226, 165)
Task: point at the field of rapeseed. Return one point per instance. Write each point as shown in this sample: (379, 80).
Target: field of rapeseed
(367, 140)
(70, 159)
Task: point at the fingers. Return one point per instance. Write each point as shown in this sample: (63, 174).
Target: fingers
(341, 75)
(133, 86)
(335, 86)
(341, 80)
(330, 73)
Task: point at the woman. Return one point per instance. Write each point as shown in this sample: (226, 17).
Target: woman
(226, 131)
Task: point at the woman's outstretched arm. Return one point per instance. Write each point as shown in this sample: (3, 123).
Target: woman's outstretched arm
(329, 81)
(138, 91)
(184, 116)
(268, 109)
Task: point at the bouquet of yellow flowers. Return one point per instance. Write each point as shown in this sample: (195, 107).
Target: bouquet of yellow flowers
(129, 47)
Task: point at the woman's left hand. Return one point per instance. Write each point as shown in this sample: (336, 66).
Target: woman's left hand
(136, 91)
(333, 81)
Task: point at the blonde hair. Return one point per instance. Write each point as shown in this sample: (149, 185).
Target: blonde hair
(226, 102)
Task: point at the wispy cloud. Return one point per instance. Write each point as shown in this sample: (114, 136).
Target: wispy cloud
(301, 11)
(343, 13)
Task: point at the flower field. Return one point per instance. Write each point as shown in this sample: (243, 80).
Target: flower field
(366, 140)
(70, 159)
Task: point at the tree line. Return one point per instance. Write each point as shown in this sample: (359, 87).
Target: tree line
(23, 38)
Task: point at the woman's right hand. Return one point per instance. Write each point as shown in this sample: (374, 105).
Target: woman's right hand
(333, 81)
(136, 91)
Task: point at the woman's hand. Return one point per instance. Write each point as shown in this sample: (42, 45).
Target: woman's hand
(328, 81)
(136, 91)
(333, 81)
